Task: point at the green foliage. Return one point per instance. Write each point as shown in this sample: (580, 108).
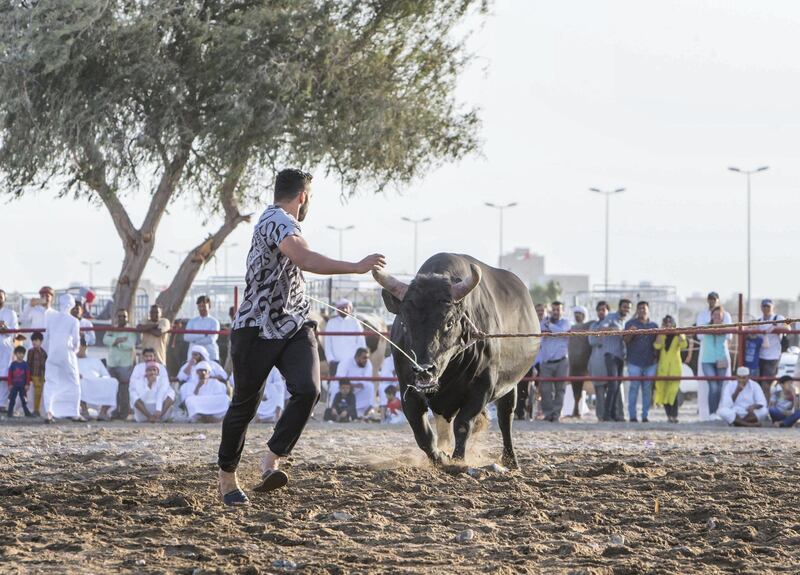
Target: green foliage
(361, 88)
(546, 294)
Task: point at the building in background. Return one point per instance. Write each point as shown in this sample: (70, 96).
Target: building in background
(530, 268)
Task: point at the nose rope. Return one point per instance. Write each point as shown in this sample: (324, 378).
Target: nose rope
(370, 328)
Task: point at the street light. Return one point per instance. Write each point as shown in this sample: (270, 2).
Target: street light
(607, 194)
(501, 208)
(341, 232)
(226, 248)
(747, 173)
(91, 271)
(416, 226)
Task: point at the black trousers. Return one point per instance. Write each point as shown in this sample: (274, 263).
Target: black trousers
(614, 367)
(253, 358)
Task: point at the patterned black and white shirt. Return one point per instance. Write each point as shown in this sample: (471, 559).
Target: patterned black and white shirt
(274, 298)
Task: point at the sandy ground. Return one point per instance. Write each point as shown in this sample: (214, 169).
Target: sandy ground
(595, 499)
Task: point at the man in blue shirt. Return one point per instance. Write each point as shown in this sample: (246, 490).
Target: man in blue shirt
(642, 360)
(553, 362)
(612, 348)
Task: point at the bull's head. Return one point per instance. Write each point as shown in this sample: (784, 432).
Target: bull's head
(431, 312)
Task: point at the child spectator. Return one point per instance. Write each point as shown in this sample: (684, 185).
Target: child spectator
(393, 410)
(784, 408)
(37, 357)
(343, 408)
(19, 378)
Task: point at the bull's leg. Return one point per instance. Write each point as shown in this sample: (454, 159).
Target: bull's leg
(464, 423)
(416, 412)
(443, 432)
(505, 417)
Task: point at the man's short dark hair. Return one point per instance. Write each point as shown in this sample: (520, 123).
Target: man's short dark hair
(624, 300)
(601, 303)
(19, 349)
(203, 299)
(344, 382)
(148, 350)
(390, 389)
(37, 336)
(361, 350)
(555, 303)
(784, 378)
(289, 183)
(641, 303)
(157, 305)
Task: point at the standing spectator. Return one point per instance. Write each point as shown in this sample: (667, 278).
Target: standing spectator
(597, 361)
(177, 347)
(784, 404)
(62, 386)
(356, 370)
(340, 348)
(669, 349)
(121, 358)
(8, 320)
(642, 360)
(35, 315)
(743, 403)
(204, 322)
(579, 352)
(704, 318)
(37, 358)
(228, 357)
(87, 328)
(715, 358)
(612, 348)
(19, 378)
(770, 353)
(621, 317)
(553, 362)
(155, 333)
(98, 388)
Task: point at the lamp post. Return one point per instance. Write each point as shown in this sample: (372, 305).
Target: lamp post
(226, 248)
(747, 173)
(91, 270)
(416, 223)
(341, 232)
(501, 208)
(607, 194)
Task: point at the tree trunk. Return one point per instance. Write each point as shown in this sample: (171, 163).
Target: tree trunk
(137, 255)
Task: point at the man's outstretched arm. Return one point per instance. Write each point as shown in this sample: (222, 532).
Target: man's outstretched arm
(297, 250)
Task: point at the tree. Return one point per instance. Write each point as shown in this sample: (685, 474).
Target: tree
(150, 100)
(546, 294)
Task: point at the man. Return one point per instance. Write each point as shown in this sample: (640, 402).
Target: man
(357, 369)
(35, 315)
(608, 354)
(62, 386)
(8, 320)
(743, 403)
(121, 358)
(340, 348)
(207, 323)
(271, 406)
(152, 398)
(87, 328)
(155, 333)
(98, 388)
(208, 399)
(578, 352)
(187, 375)
(553, 362)
(704, 318)
(272, 330)
(769, 355)
(642, 360)
(139, 372)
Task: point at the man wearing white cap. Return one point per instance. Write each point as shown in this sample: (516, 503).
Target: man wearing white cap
(743, 403)
(208, 401)
(578, 353)
(8, 320)
(339, 348)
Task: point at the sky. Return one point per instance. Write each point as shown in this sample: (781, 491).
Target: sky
(656, 97)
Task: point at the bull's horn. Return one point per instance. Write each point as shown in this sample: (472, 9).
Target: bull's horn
(461, 289)
(391, 284)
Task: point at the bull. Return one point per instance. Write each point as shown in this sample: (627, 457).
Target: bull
(440, 316)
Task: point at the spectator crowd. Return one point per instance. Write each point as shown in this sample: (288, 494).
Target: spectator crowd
(152, 373)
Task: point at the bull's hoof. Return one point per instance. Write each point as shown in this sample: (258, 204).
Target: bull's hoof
(439, 459)
(510, 461)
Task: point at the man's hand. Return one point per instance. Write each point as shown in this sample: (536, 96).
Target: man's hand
(119, 340)
(371, 263)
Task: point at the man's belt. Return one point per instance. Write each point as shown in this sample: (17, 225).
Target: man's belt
(556, 360)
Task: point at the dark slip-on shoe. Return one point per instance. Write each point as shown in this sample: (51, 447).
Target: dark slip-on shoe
(271, 480)
(235, 497)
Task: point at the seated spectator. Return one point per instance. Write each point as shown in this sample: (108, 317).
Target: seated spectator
(187, 375)
(98, 388)
(743, 403)
(207, 399)
(392, 412)
(149, 356)
(151, 399)
(271, 406)
(204, 322)
(19, 379)
(784, 404)
(387, 370)
(343, 405)
(354, 369)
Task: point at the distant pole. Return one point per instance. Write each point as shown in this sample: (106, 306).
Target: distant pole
(607, 194)
(91, 270)
(501, 208)
(748, 173)
(416, 223)
(341, 232)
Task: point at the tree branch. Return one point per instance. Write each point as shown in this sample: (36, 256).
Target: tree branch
(166, 187)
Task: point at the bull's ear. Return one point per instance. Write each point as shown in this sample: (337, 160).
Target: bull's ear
(391, 302)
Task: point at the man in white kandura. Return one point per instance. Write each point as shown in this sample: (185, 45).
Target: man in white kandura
(62, 385)
(340, 348)
(138, 374)
(98, 388)
(208, 399)
(187, 374)
(8, 320)
(271, 406)
(743, 403)
(152, 398)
